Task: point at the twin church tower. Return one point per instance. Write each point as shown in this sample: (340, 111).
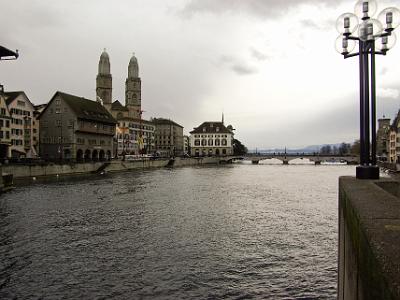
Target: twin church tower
(133, 102)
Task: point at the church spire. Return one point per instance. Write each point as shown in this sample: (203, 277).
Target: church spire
(223, 118)
(133, 89)
(104, 63)
(104, 79)
(133, 68)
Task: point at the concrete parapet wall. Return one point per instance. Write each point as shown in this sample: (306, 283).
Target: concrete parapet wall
(25, 171)
(21, 171)
(118, 166)
(369, 239)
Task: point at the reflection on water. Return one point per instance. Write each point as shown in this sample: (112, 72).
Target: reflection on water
(238, 231)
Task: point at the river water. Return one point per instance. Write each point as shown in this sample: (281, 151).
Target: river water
(232, 232)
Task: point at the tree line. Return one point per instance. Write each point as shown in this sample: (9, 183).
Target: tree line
(342, 149)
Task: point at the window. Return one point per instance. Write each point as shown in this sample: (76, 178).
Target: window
(20, 103)
(217, 142)
(58, 110)
(204, 142)
(7, 134)
(3, 111)
(217, 129)
(204, 129)
(210, 142)
(58, 101)
(224, 142)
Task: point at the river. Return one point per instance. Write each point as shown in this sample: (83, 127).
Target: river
(221, 232)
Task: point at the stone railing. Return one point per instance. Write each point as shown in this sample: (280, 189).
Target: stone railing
(369, 239)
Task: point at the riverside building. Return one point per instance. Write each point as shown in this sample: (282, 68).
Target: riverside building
(75, 128)
(168, 137)
(23, 136)
(211, 138)
(135, 136)
(5, 127)
(382, 139)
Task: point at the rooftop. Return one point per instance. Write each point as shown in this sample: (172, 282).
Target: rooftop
(211, 127)
(163, 121)
(86, 109)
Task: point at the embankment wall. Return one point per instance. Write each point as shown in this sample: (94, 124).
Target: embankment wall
(369, 239)
(26, 171)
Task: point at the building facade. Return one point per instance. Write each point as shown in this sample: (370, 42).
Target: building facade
(382, 139)
(75, 128)
(36, 126)
(5, 127)
(392, 144)
(186, 145)
(168, 137)
(135, 136)
(23, 135)
(211, 139)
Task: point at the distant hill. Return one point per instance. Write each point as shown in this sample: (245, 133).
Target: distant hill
(308, 149)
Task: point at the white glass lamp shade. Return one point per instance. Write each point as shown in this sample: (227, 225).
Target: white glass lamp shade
(390, 18)
(344, 45)
(386, 43)
(365, 9)
(369, 30)
(347, 23)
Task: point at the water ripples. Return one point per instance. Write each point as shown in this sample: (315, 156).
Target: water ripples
(232, 232)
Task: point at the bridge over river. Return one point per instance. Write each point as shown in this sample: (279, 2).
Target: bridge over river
(286, 158)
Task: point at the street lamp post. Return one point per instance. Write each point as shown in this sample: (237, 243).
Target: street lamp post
(373, 38)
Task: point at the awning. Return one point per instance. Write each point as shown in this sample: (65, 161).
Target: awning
(6, 54)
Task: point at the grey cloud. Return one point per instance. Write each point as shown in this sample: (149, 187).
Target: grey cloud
(310, 24)
(335, 125)
(236, 65)
(243, 69)
(260, 8)
(258, 55)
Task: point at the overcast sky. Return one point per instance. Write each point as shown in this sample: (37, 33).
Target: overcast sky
(269, 65)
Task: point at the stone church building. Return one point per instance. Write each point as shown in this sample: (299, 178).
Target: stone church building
(134, 135)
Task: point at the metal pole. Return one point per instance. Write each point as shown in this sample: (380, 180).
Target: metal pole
(373, 105)
(366, 104)
(363, 161)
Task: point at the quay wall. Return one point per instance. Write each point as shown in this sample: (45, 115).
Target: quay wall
(26, 171)
(22, 171)
(369, 239)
